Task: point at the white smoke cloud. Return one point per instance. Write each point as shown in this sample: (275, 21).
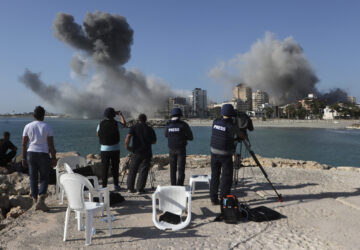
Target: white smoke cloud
(277, 67)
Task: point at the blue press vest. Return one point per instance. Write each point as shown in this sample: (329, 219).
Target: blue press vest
(176, 135)
(221, 137)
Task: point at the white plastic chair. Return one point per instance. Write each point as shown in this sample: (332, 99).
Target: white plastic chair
(74, 184)
(99, 194)
(198, 178)
(73, 161)
(95, 180)
(173, 199)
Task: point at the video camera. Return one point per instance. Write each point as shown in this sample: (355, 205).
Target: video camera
(243, 121)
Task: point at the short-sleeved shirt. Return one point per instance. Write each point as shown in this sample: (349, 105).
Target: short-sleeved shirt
(115, 147)
(143, 137)
(38, 133)
(5, 145)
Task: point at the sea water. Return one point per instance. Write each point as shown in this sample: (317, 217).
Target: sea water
(335, 147)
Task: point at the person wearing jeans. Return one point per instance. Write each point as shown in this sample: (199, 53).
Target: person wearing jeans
(37, 143)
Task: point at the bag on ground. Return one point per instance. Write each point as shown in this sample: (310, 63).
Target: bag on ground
(170, 218)
(262, 213)
(230, 208)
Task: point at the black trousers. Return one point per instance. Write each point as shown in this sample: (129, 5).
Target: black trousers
(177, 164)
(110, 158)
(221, 164)
(139, 163)
(6, 158)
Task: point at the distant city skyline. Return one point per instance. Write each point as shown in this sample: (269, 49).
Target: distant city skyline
(179, 46)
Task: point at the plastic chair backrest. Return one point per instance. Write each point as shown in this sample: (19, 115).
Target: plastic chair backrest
(68, 169)
(74, 161)
(172, 199)
(74, 184)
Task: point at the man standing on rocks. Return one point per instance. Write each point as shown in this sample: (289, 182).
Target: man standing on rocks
(5, 145)
(178, 133)
(222, 148)
(109, 137)
(37, 142)
(143, 137)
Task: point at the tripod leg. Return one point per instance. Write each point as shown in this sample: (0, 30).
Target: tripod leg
(262, 169)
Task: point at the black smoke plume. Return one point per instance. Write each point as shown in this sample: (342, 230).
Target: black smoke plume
(103, 44)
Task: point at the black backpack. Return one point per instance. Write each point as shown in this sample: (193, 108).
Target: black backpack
(230, 208)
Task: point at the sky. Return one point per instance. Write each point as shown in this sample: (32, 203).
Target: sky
(179, 42)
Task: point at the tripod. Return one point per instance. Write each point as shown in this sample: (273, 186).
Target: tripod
(238, 165)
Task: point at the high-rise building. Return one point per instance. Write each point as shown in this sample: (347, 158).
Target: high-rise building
(243, 96)
(351, 99)
(199, 103)
(258, 99)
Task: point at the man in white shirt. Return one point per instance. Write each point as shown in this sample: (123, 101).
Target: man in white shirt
(37, 143)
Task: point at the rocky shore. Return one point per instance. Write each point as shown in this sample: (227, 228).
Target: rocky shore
(15, 187)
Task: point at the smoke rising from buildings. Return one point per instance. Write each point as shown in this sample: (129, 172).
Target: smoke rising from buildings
(277, 67)
(102, 44)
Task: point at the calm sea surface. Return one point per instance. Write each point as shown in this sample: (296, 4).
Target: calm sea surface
(335, 147)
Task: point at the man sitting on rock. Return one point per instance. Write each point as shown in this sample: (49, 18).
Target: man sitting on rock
(5, 145)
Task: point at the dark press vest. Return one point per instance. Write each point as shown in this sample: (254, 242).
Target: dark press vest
(109, 132)
(176, 135)
(221, 137)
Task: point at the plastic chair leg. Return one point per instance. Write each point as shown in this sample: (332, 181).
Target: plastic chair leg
(78, 217)
(61, 196)
(88, 228)
(109, 219)
(67, 215)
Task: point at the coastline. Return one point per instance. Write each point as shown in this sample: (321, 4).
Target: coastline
(319, 203)
(287, 123)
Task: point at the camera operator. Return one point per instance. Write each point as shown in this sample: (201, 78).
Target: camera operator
(109, 137)
(224, 131)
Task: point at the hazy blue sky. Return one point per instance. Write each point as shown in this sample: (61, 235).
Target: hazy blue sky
(180, 41)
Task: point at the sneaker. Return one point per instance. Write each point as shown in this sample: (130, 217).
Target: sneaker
(117, 188)
(131, 191)
(215, 202)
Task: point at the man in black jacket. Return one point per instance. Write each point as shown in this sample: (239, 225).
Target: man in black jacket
(142, 137)
(222, 147)
(109, 137)
(178, 133)
(5, 145)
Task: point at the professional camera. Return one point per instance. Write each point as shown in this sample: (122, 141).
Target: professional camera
(243, 121)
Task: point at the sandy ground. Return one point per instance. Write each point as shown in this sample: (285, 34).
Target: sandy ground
(336, 124)
(321, 210)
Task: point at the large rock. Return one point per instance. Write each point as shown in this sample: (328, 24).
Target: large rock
(15, 212)
(19, 184)
(4, 201)
(63, 154)
(4, 184)
(4, 170)
(24, 201)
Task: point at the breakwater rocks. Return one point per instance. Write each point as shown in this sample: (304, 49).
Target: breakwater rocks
(159, 123)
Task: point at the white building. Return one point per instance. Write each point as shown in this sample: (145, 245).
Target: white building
(259, 98)
(329, 114)
(221, 104)
(243, 96)
(199, 103)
